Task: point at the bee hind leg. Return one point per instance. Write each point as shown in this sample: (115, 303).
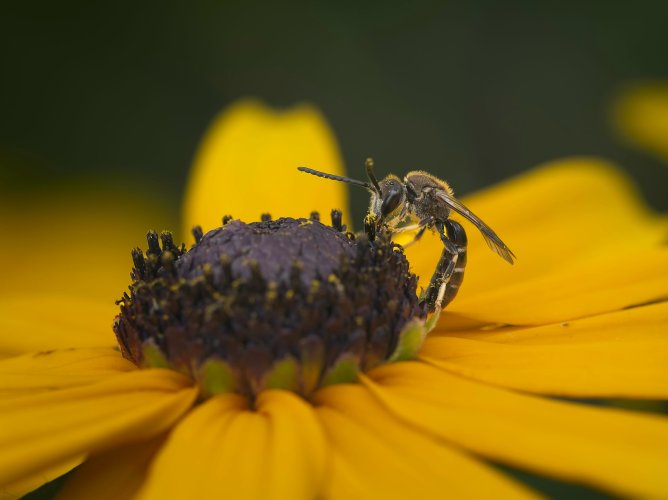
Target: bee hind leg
(449, 272)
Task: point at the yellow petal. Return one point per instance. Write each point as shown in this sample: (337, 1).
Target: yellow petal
(41, 431)
(183, 467)
(22, 376)
(53, 370)
(623, 354)
(576, 291)
(297, 450)
(247, 165)
(19, 488)
(615, 450)
(75, 241)
(377, 456)
(641, 116)
(569, 223)
(115, 475)
(223, 451)
(32, 322)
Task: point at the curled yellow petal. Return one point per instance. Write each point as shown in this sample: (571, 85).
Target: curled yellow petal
(223, 450)
(41, 431)
(377, 456)
(247, 165)
(614, 450)
(640, 114)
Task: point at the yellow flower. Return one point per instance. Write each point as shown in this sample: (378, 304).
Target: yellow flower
(641, 116)
(581, 315)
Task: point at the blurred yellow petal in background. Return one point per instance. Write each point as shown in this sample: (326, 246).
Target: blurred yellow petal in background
(247, 165)
(66, 256)
(640, 114)
(75, 239)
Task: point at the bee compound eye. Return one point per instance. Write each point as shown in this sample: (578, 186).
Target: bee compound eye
(410, 191)
(391, 201)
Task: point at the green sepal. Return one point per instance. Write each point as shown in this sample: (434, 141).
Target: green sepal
(284, 374)
(432, 321)
(217, 377)
(312, 354)
(344, 371)
(153, 357)
(410, 341)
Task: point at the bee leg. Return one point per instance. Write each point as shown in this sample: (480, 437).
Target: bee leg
(449, 272)
(412, 227)
(417, 237)
(423, 225)
(405, 229)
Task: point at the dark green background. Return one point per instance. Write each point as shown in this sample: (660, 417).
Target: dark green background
(472, 91)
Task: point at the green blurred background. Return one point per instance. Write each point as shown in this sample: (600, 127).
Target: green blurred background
(472, 91)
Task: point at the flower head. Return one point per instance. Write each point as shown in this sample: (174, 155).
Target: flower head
(582, 315)
(289, 303)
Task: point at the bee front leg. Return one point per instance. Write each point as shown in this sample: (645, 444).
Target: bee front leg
(449, 272)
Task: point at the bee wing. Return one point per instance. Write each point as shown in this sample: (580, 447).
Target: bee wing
(491, 238)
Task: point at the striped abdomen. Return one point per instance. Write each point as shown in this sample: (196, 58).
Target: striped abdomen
(457, 235)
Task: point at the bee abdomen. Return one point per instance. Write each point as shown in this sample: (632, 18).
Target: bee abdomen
(449, 272)
(457, 235)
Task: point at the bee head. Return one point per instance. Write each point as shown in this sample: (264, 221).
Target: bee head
(388, 196)
(392, 199)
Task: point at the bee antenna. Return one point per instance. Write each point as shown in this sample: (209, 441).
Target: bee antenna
(333, 177)
(369, 173)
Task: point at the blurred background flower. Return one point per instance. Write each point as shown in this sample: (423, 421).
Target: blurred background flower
(641, 116)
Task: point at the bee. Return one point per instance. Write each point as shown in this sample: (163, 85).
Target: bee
(428, 202)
